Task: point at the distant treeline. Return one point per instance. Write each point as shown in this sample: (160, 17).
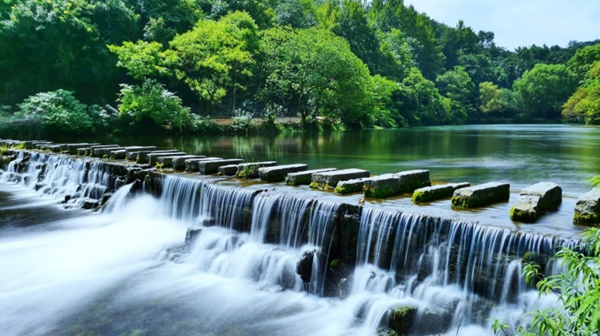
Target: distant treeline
(84, 66)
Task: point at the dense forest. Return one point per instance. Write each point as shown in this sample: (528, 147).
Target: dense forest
(130, 66)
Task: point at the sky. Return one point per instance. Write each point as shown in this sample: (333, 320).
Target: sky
(518, 23)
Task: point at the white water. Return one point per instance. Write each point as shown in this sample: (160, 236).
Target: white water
(120, 272)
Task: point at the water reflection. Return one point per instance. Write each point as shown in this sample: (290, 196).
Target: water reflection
(519, 154)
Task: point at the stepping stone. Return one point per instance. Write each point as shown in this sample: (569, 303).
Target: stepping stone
(54, 148)
(279, 173)
(326, 180)
(481, 195)
(304, 177)
(193, 165)
(587, 208)
(167, 161)
(389, 185)
(72, 148)
(437, 192)
(41, 145)
(179, 162)
(89, 150)
(153, 157)
(104, 152)
(212, 166)
(250, 170)
(536, 200)
(122, 153)
(30, 143)
(142, 156)
(228, 170)
(350, 186)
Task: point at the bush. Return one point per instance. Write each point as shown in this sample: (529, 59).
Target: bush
(58, 112)
(151, 100)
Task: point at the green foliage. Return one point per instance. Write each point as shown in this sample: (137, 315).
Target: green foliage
(582, 61)
(422, 103)
(143, 59)
(217, 56)
(59, 112)
(577, 288)
(151, 100)
(545, 89)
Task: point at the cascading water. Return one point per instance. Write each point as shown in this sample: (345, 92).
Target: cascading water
(251, 257)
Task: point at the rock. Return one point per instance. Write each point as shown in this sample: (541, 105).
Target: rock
(481, 195)
(402, 319)
(434, 321)
(304, 177)
(250, 170)
(587, 208)
(349, 186)
(536, 200)
(389, 185)
(153, 157)
(105, 198)
(72, 148)
(228, 170)
(167, 161)
(104, 152)
(192, 234)
(437, 192)
(118, 154)
(142, 155)
(90, 204)
(385, 331)
(304, 265)
(208, 167)
(279, 173)
(179, 162)
(193, 165)
(327, 180)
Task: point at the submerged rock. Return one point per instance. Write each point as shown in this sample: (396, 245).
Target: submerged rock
(587, 208)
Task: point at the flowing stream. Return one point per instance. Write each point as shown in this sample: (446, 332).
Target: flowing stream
(204, 257)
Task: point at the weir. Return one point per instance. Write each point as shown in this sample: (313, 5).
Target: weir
(452, 272)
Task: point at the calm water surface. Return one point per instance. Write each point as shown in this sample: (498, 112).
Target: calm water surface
(519, 154)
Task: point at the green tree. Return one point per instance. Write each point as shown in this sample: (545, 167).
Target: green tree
(457, 85)
(217, 57)
(152, 101)
(422, 103)
(48, 45)
(545, 89)
(315, 73)
(583, 59)
(584, 104)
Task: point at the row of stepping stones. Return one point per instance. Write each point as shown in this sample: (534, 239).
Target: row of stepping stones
(532, 202)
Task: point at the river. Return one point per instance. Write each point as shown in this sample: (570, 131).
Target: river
(124, 271)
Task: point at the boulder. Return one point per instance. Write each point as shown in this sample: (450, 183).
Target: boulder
(587, 208)
(193, 165)
(437, 192)
(481, 195)
(327, 180)
(536, 200)
(304, 177)
(228, 170)
(250, 170)
(279, 173)
(401, 319)
(349, 186)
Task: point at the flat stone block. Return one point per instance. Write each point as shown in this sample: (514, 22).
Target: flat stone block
(389, 185)
(193, 165)
(437, 192)
(279, 173)
(55, 148)
(120, 154)
(327, 180)
(349, 186)
(89, 150)
(536, 200)
(179, 162)
(103, 152)
(142, 156)
(72, 148)
(228, 170)
(587, 208)
(481, 195)
(250, 170)
(167, 161)
(304, 177)
(153, 157)
(30, 144)
(212, 166)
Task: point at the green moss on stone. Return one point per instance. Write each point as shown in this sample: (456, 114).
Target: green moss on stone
(586, 218)
(378, 192)
(334, 263)
(249, 171)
